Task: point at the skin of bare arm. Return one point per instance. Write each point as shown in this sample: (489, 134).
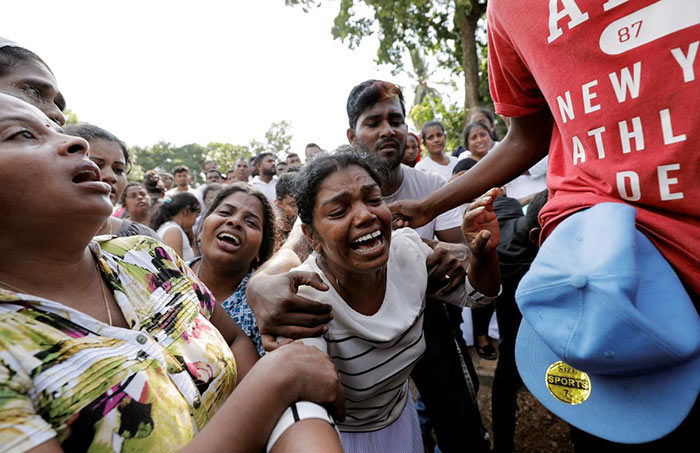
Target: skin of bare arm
(526, 143)
(297, 437)
(173, 238)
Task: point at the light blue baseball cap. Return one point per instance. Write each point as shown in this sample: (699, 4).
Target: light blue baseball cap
(610, 340)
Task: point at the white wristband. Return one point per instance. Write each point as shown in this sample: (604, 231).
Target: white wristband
(301, 410)
(478, 299)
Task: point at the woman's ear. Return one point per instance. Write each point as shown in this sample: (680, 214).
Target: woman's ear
(311, 237)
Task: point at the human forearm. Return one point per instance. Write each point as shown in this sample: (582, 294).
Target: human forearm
(484, 274)
(244, 422)
(292, 373)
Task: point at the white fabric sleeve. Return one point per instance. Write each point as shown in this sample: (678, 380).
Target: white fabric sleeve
(539, 169)
(301, 410)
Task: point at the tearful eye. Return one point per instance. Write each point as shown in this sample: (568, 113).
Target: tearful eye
(23, 134)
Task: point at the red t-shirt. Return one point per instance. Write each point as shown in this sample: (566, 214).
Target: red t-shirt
(622, 80)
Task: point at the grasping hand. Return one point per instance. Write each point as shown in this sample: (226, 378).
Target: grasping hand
(408, 213)
(480, 225)
(279, 311)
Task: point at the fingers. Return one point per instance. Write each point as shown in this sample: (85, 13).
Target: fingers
(478, 245)
(337, 408)
(312, 279)
(398, 219)
(435, 258)
(453, 283)
(270, 343)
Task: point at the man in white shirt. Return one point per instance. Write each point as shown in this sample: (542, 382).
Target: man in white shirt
(265, 180)
(181, 175)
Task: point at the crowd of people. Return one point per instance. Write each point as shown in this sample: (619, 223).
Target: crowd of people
(286, 304)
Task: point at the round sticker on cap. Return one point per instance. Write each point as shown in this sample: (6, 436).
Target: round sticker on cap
(567, 384)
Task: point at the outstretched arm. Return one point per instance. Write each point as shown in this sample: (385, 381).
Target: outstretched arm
(526, 143)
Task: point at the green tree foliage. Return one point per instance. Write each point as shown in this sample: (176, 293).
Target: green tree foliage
(225, 154)
(165, 156)
(278, 139)
(71, 118)
(451, 116)
(446, 29)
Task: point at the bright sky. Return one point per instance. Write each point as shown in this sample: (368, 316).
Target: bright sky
(198, 71)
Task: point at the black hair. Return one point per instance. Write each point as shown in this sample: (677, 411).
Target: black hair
(181, 169)
(150, 182)
(171, 206)
(368, 93)
(286, 159)
(269, 226)
(93, 133)
(214, 170)
(122, 199)
(230, 170)
(430, 124)
(259, 158)
(285, 185)
(488, 114)
(468, 128)
(208, 188)
(314, 173)
(534, 208)
(463, 165)
(11, 56)
(310, 145)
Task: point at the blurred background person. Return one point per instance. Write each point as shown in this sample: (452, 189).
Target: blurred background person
(174, 221)
(285, 205)
(438, 162)
(413, 150)
(168, 180)
(112, 158)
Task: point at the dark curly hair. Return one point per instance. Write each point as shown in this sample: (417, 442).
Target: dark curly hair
(368, 93)
(269, 227)
(313, 174)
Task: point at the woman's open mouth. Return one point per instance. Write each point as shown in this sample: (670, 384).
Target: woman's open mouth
(368, 243)
(228, 241)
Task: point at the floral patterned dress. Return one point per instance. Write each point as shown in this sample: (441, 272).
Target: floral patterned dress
(151, 387)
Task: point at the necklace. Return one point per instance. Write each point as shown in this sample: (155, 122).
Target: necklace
(102, 289)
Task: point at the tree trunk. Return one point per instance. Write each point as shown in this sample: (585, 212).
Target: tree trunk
(466, 21)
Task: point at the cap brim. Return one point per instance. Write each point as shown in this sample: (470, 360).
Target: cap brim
(624, 409)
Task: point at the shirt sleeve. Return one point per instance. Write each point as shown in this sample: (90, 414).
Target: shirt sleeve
(513, 87)
(21, 428)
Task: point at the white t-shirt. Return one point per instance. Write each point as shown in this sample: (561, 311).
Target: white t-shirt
(430, 166)
(269, 189)
(418, 184)
(526, 185)
(375, 354)
(174, 191)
